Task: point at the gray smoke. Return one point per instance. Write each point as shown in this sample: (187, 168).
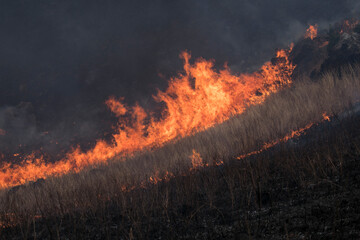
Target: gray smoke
(60, 60)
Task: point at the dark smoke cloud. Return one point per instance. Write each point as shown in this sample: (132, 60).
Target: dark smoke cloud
(60, 60)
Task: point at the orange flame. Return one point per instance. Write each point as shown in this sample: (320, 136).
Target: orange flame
(293, 134)
(156, 178)
(196, 160)
(311, 32)
(325, 117)
(219, 162)
(116, 107)
(195, 100)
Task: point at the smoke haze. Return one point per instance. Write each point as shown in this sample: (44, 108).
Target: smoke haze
(60, 60)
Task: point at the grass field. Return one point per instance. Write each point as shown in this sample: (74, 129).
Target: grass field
(160, 193)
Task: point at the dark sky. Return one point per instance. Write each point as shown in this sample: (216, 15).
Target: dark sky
(60, 60)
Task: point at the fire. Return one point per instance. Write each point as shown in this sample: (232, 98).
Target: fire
(196, 160)
(219, 162)
(348, 25)
(293, 134)
(324, 44)
(156, 178)
(325, 117)
(311, 32)
(195, 100)
(10, 220)
(116, 107)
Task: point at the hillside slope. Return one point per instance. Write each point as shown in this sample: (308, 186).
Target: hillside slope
(301, 182)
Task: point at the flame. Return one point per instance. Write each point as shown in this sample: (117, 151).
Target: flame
(311, 32)
(325, 117)
(116, 107)
(219, 162)
(196, 160)
(289, 136)
(324, 44)
(156, 178)
(10, 220)
(348, 25)
(195, 100)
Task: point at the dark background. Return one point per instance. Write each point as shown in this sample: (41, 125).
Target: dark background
(60, 60)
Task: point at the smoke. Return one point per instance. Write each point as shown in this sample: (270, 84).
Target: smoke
(61, 60)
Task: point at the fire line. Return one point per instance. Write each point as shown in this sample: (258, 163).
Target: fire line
(195, 100)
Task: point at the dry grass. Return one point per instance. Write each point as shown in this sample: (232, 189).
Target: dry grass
(99, 192)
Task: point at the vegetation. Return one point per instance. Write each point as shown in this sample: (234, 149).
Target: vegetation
(154, 193)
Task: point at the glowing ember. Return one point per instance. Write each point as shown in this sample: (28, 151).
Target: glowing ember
(195, 100)
(311, 32)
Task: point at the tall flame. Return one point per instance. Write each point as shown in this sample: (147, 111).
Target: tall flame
(195, 100)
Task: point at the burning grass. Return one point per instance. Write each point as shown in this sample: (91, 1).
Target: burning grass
(161, 180)
(195, 100)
